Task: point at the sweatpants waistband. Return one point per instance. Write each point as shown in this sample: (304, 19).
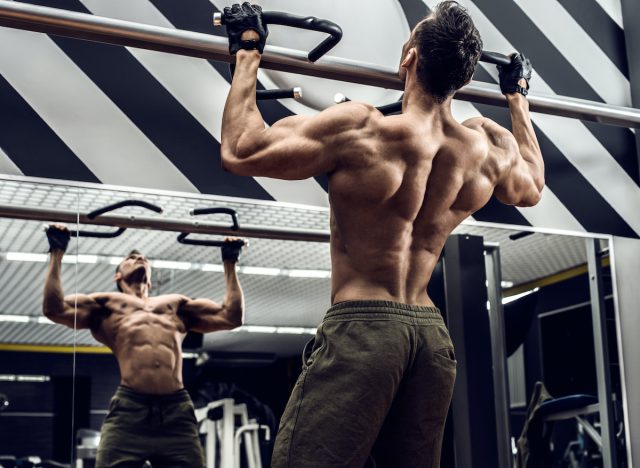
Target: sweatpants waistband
(369, 309)
(149, 398)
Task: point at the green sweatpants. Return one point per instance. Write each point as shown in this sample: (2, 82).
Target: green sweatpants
(158, 428)
(376, 385)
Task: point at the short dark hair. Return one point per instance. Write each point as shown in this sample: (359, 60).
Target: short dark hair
(133, 252)
(449, 47)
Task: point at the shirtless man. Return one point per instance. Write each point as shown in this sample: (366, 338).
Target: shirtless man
(379, 378)
(151, 416)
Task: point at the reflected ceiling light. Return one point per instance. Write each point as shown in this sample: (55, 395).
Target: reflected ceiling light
(14, 318)
(80, 259)
(309, 273)
(249, 270)
(269, 329)
(171, 265)
(24, 378)
(26, 257)
(506, 284)
(515, 297)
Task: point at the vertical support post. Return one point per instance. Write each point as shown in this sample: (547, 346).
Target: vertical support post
(498, 348)
(601, 348)
(473, 406)
(631, 25)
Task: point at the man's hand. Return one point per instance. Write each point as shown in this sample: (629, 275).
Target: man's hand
(514, 78)
(239, 19)
(231, 249)
(58, 237)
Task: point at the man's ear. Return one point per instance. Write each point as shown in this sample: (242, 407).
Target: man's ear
(117, 277)
(409, 57)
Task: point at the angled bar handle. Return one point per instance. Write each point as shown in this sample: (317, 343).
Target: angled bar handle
(100, 211)
(310, 23)
(183, 236)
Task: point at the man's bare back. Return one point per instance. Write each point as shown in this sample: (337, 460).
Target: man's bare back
(145, 333)
(411, 181)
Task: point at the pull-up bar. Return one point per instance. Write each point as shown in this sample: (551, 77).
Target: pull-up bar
(126, 33)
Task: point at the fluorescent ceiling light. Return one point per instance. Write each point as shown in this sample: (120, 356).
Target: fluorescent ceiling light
(45, 320)
(255, 329)
(309, 273)
(14, 318)
(506, 300)
(171, 265)
(506, 284)
(24, 378)
(212, 267)
(270, 329)
(26, 257)
(80, 259)
(292, 330)
(249, 270)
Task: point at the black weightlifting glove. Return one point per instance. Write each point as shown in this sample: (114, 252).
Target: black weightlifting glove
(520, 67)
(231, 250)
(58, 238)
(238, 19)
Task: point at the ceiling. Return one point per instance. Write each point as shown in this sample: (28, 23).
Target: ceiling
(276, 299)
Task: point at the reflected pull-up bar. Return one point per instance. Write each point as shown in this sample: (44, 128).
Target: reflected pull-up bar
(125, 33)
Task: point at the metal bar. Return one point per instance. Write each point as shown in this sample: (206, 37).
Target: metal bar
(498, 346)
(113, 31)
(601, 349)
(197, 226)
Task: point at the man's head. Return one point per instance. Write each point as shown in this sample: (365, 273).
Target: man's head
(134, 268)
(445, 47)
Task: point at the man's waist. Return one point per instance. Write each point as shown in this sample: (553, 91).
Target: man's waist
(129, 393)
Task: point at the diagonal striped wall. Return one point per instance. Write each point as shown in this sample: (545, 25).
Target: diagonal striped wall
(93, 112)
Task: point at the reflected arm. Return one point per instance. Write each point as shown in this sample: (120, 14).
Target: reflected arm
(205, 316)
(74, 311)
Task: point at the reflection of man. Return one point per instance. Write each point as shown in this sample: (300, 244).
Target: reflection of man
(380, 375)
(151, 416)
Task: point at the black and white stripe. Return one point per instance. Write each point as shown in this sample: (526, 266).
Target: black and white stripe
(134, 117)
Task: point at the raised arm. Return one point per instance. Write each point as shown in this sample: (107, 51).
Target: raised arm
(515, 159)
(74, 311)
(295, 147)
(204, 315)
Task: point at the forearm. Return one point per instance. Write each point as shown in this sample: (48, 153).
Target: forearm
(233, 302)
(241, 116)
(53, 303)
(525, 136)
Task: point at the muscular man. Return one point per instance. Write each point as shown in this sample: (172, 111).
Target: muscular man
(379, 378)
(151, 416)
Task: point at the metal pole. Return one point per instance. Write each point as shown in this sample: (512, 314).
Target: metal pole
(163, 224)
(601, 348)
(126, 33)
(498, 355)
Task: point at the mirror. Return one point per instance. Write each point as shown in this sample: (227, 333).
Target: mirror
(538, 284)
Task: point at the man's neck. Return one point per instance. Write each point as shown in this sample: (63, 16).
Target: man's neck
(140, 290)
(417, 101)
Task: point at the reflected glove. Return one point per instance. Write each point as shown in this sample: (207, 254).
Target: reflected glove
(520, 67)
(58, 238)
(238, 19)
(231, 250)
